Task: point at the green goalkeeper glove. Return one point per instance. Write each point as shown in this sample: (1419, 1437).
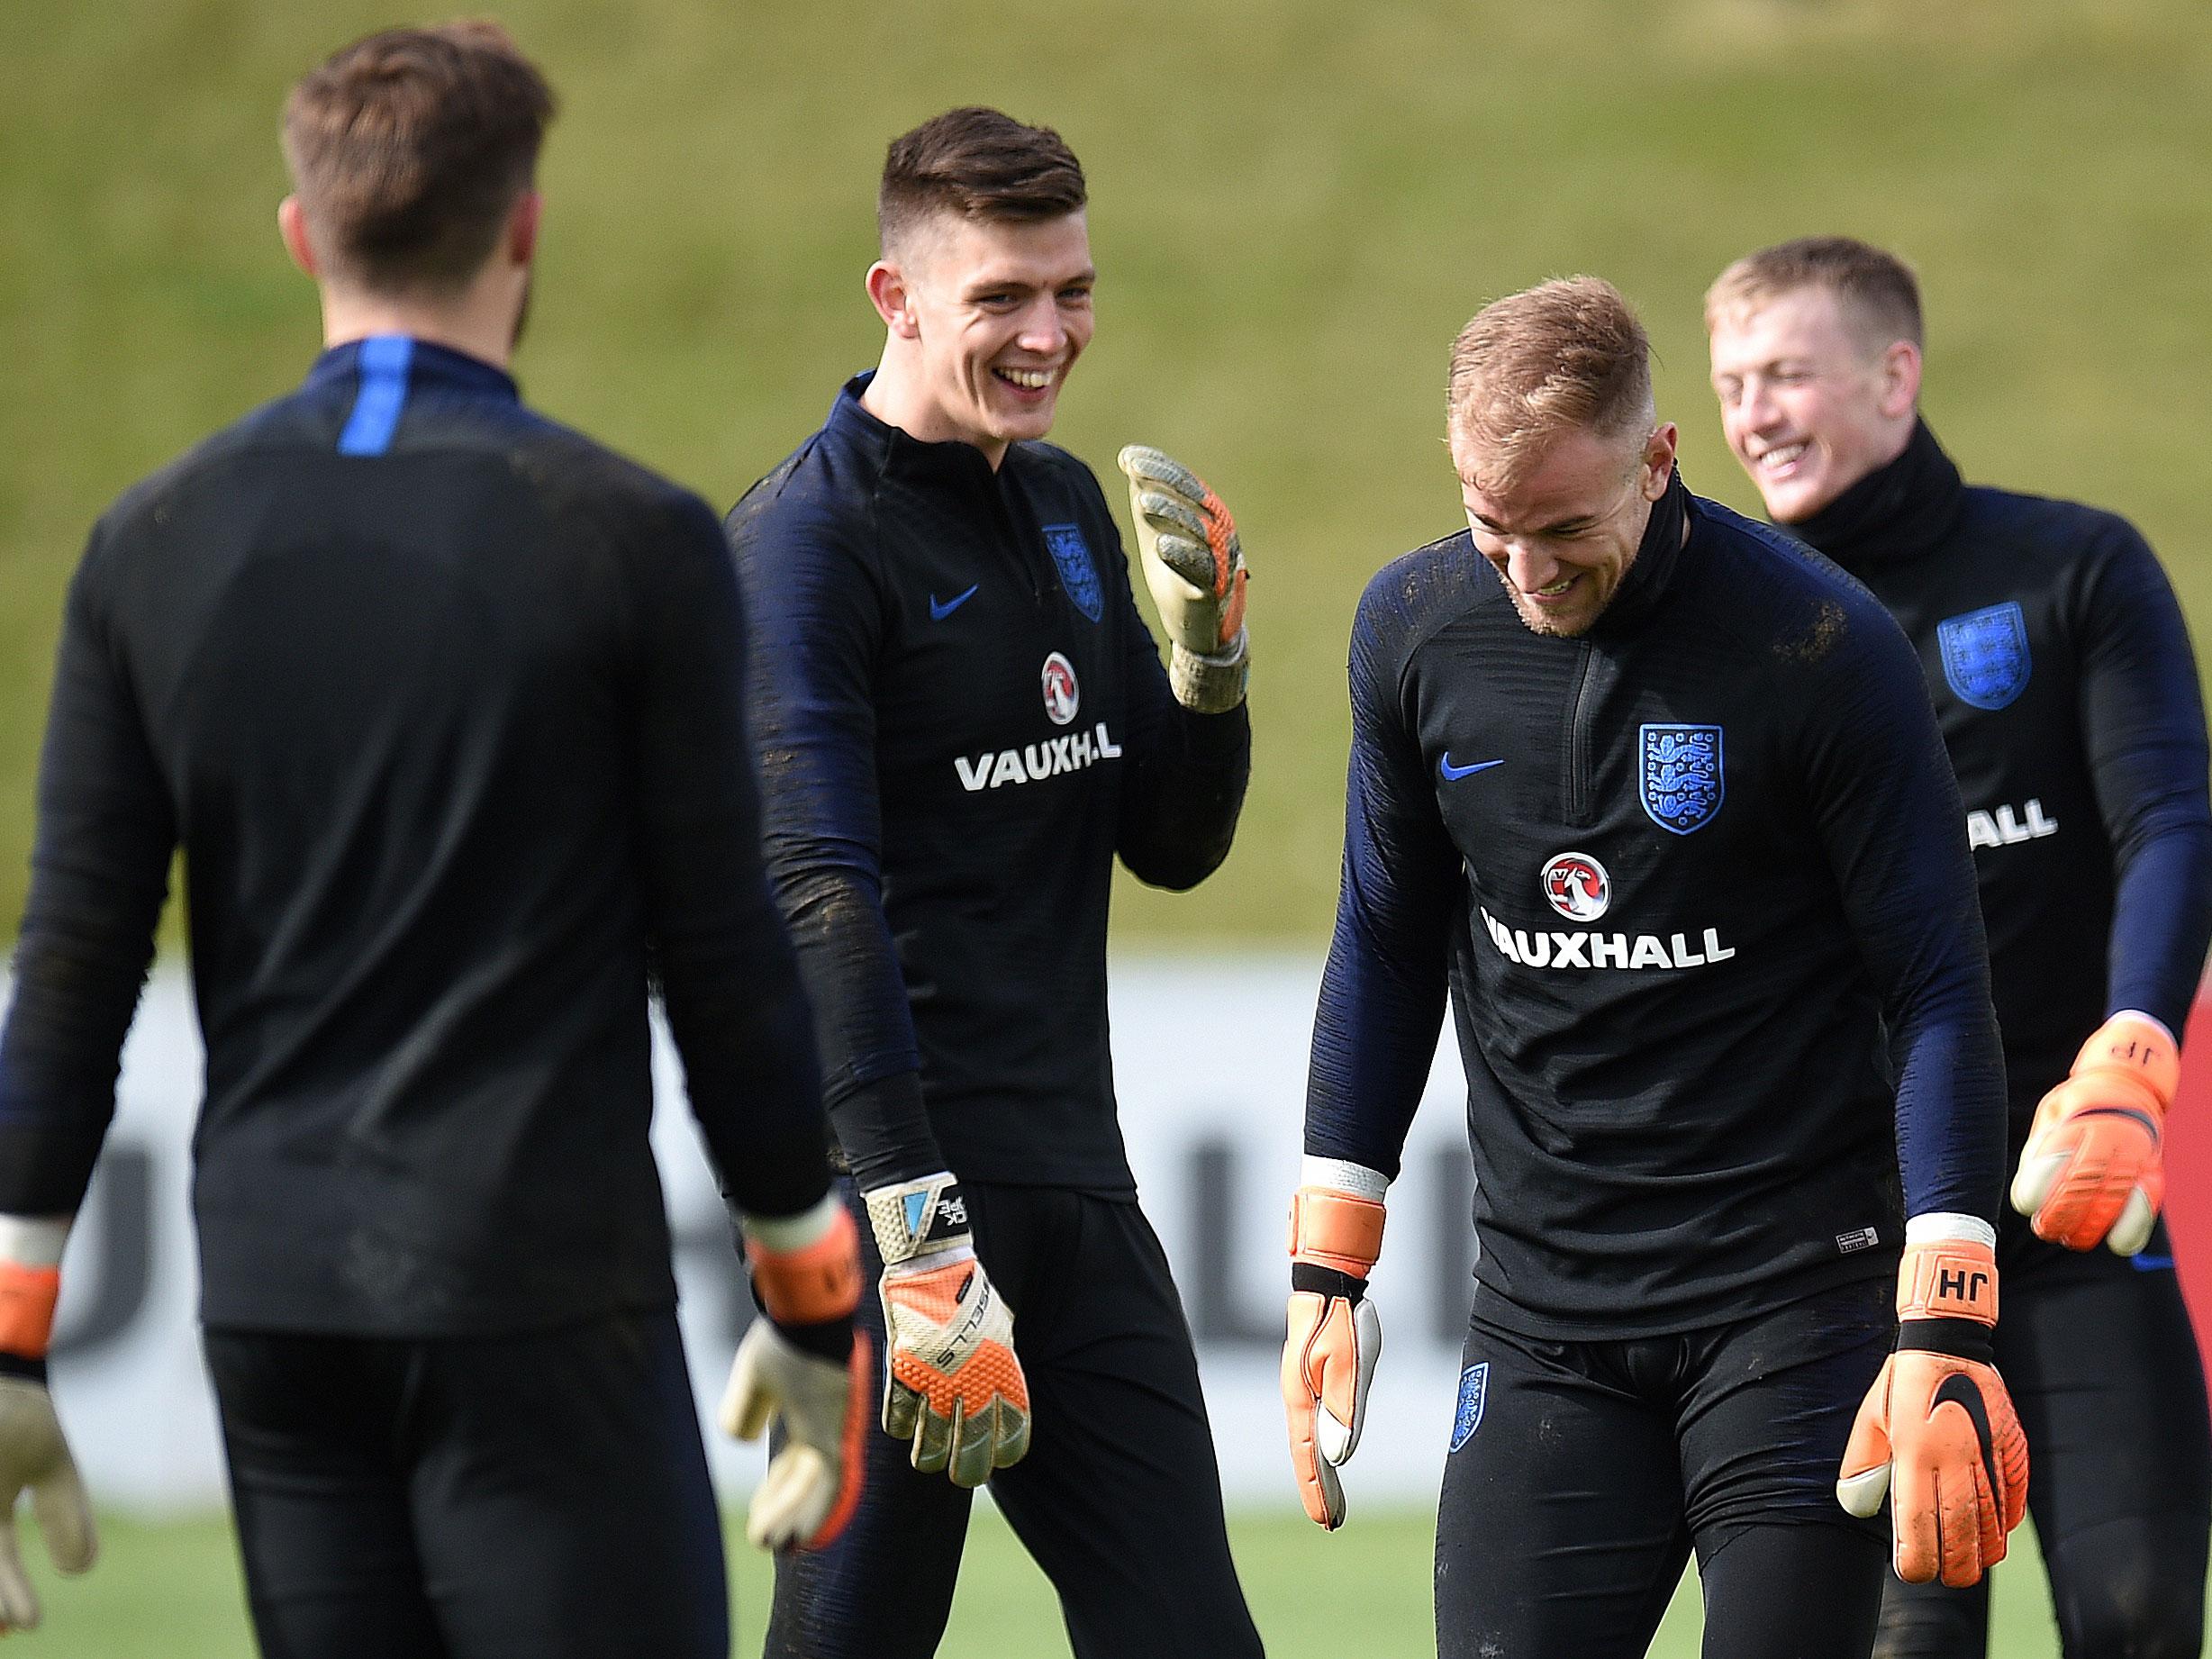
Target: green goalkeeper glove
(1195, 569)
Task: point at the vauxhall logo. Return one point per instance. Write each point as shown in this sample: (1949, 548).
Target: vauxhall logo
(1033, 762)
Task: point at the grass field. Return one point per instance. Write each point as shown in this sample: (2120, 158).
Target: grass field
(1296, 203)
(172, 1591)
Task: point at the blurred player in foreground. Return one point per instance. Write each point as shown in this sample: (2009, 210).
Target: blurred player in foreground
(443, 704)
(964, 721)
(1661, 799)
(2067, 693)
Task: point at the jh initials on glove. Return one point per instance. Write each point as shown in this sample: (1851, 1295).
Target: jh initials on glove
(1334, 1335)
(1194, 567)
(789, 1367)
(2093, 1166)
(953, 1387)
(1937, 1430)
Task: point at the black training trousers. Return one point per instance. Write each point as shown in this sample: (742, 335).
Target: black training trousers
(542, 1496)
(1118, 1499)
(2098, 1354)
(1582, 1472)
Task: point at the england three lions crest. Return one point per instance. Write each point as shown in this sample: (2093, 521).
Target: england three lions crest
(1681, 781)
(1078, 575)
(1985, 655)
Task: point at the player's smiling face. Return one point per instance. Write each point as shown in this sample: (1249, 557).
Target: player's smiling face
(999, 311)
(1561, 532)
(1807, 406)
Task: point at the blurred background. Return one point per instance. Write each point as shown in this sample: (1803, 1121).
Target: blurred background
(1295, 206)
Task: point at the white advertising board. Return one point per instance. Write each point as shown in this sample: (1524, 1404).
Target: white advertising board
(1213, 1137)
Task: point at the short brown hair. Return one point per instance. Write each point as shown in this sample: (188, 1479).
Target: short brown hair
(1877, 292)
(407, 149)
(979, 164)
(1569, 353)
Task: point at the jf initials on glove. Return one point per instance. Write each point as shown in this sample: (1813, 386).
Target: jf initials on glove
(806, 1363)
(1937, 1430)
(2093, 1167)
(33, 1456)
(1195, 569)
(1336, 1336)
(953, 1387)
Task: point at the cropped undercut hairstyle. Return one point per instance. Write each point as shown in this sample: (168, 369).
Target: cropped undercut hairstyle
(408, 148)
(1565, 354)
(1875, 290)
(980, 165)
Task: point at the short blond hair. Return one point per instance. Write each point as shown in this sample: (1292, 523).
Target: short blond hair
(1565, 355)
(1875, 291)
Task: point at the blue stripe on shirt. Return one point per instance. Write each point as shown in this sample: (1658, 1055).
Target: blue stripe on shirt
(384, 359)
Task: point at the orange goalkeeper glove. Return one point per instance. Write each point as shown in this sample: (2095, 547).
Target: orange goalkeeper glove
(2092, 1166)
(1336, 1336)
(953, 1387)
(1937, 1430)
(806, 1272)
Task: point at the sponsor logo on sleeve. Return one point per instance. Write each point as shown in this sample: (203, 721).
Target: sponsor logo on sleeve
(1078, 571)
(1985, 655)
(1679, 777)
(1062, 698)
(1467, 1415)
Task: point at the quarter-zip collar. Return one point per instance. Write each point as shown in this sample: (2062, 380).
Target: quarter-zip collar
(897, 452)
(1651, 571)
(1898, 511)
(427, 365)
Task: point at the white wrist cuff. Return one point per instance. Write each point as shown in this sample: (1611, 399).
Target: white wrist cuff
(1341, 1177)
(785, 1234)
(34, 1241)
(1944, 1225)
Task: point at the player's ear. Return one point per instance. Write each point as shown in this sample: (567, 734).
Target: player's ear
(1900, 379)
(893, 297)
(522, 223)
(292, 225)
(1659, 459)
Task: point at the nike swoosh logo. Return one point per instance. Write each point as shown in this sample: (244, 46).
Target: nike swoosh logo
(939, 612)
(1450, 771)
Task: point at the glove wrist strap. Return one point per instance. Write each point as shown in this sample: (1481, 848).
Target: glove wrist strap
(1336, 1230)
(915, 1219)
(1967, 1339)
(1209, 684)
(816, 1282)
(1952, 1279)
(27, 1298)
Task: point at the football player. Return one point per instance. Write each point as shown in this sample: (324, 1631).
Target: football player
(2067, 692)
(1659, 797)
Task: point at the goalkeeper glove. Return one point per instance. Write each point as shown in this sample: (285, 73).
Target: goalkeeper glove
(2091, 1168)
(953, 1387)
(1195, 569)
(1336, 1336)
(1938, 1424)
(33, 1454)
(806, 1272)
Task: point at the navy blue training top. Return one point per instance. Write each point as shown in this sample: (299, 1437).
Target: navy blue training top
(444, 705)
(1698, 884)
(962, 721)
(2067, 691)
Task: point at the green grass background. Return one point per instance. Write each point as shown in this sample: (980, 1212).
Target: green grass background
(1297, 203)
(173, 1589)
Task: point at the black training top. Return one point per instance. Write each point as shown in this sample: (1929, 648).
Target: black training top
(443, 703)
(2067, 691)
(1680, 873)
(962, 720)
